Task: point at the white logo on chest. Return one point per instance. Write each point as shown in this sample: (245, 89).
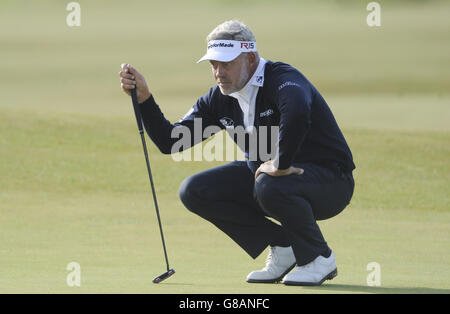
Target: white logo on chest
(227, 122)
(266, 113)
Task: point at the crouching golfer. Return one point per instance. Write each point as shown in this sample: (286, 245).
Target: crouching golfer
(309, 177)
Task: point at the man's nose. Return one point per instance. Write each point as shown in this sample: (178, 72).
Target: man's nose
(220, 71)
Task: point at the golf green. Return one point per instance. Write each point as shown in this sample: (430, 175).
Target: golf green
(74, 186)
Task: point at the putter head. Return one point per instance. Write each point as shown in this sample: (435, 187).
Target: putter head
(164, 276)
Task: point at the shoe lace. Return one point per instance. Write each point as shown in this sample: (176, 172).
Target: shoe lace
(272, 258)
(308, 266)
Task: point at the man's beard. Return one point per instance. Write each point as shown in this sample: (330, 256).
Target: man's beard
(243, 78)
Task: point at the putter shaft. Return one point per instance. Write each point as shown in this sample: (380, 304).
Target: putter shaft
(137, 112)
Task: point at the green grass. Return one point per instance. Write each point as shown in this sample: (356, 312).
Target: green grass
(73, 183)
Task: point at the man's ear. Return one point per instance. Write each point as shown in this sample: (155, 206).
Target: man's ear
(252, 58)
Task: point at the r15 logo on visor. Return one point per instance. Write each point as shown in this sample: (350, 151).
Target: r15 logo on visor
(247, 45)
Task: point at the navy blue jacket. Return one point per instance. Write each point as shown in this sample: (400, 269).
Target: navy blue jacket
(308, 131)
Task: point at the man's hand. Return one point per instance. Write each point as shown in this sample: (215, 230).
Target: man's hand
(131, 78)
(270, 169)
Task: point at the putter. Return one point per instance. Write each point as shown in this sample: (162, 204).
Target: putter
(137, 113)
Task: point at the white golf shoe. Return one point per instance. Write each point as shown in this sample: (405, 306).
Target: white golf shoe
(279, 262)
(314, 273)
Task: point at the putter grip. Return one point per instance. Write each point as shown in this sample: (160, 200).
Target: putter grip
(137, 110)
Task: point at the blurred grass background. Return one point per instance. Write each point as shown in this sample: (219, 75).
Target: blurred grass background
(73, 184)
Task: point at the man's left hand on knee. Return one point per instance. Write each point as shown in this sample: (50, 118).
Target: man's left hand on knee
(269, 168)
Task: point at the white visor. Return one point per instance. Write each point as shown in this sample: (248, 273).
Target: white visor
(227, 50)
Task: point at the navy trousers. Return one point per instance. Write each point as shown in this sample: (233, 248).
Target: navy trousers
(229, 197)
